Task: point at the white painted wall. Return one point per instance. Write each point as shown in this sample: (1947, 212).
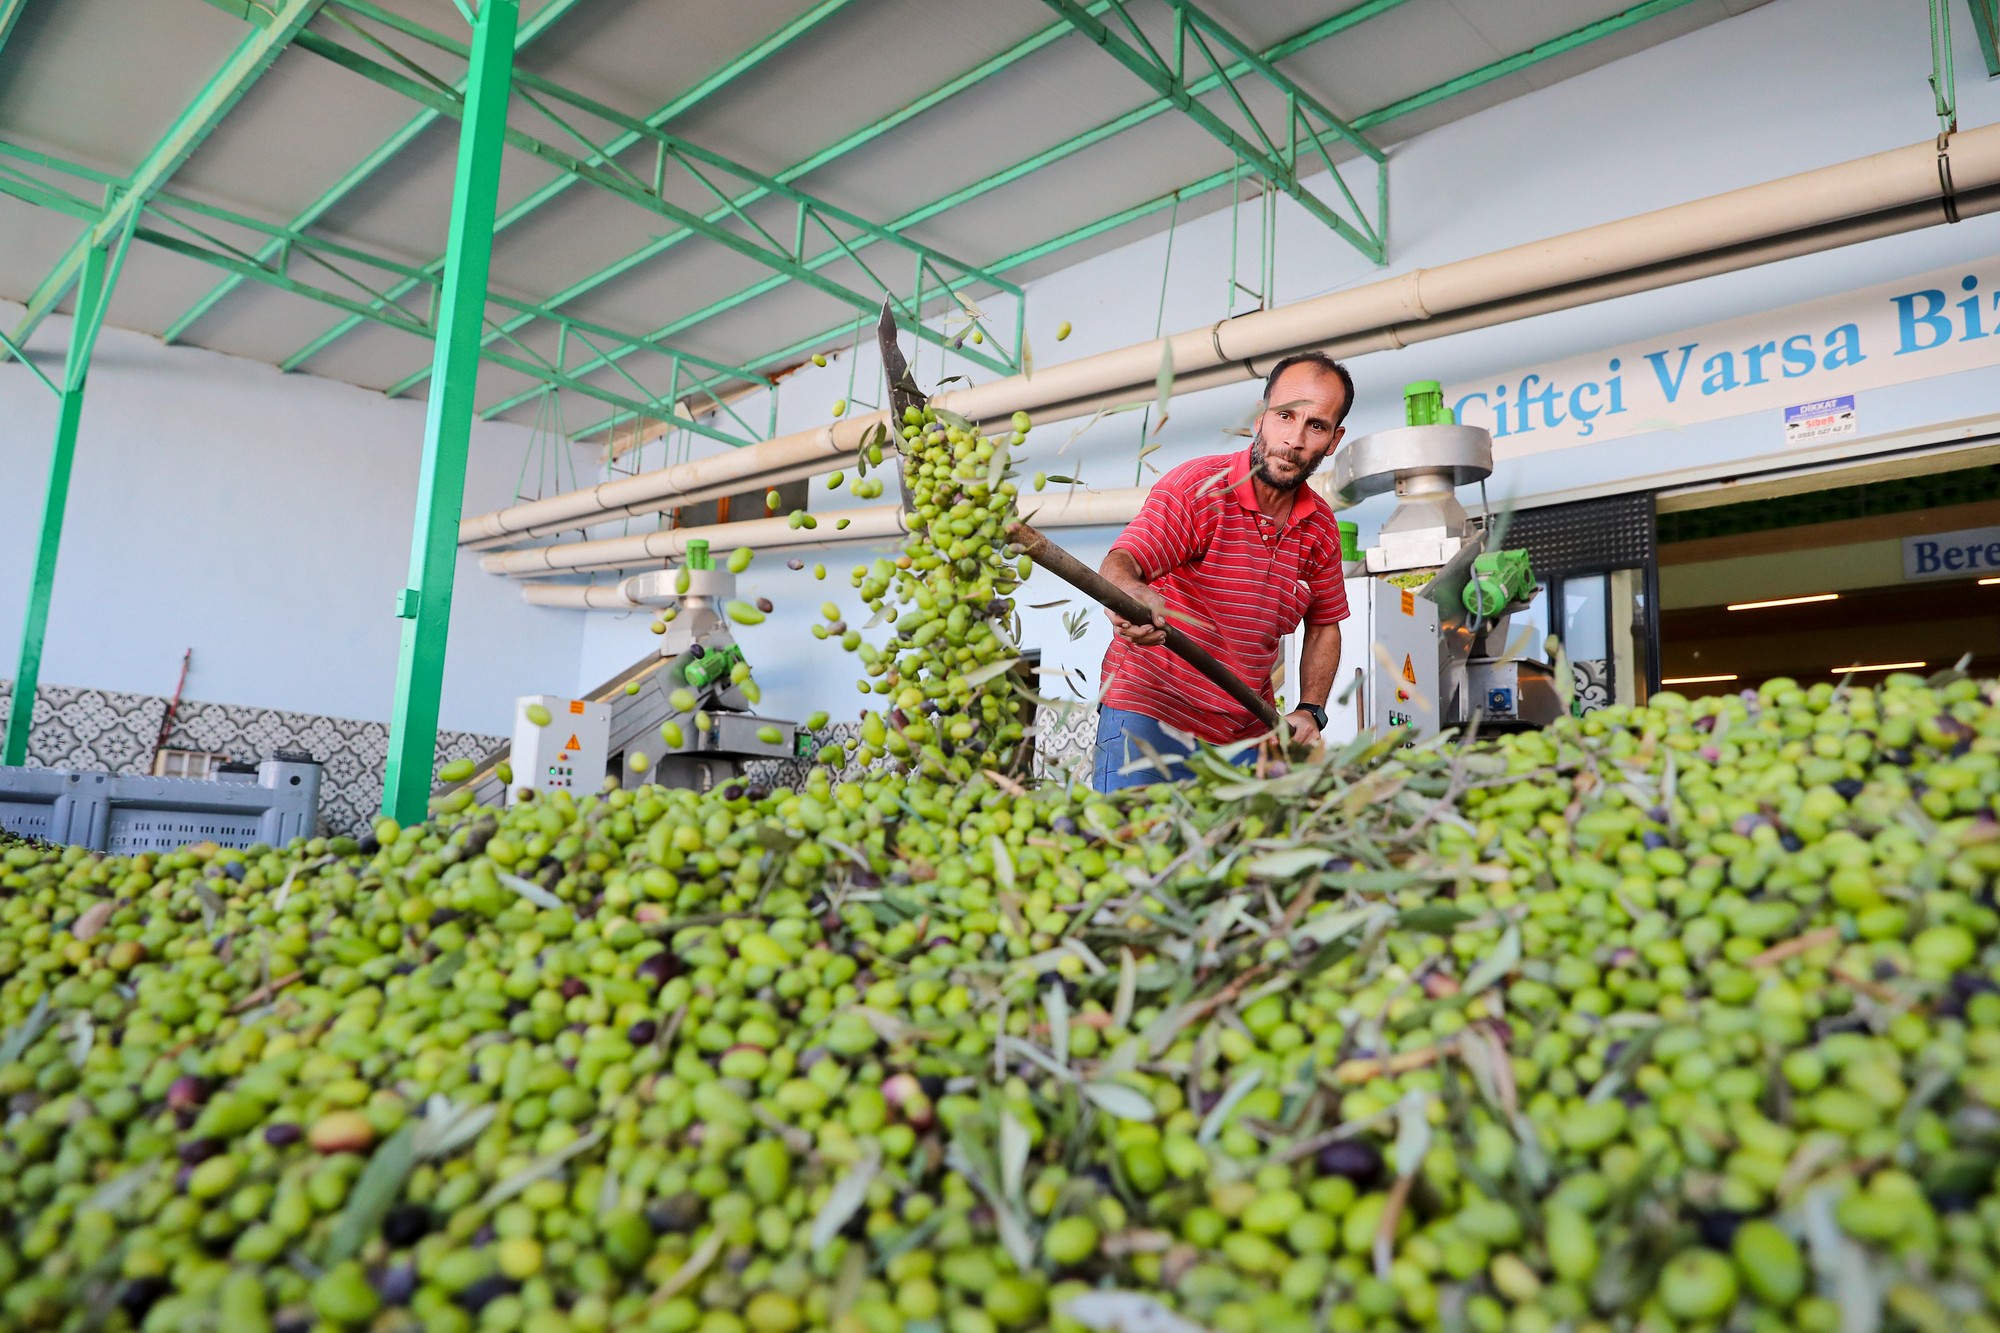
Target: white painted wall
(263, 520)
(1791, 86)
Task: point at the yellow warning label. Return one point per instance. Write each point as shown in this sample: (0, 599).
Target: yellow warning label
(575, 744)
(576, 706)
(1409, 669)
(1409, 602)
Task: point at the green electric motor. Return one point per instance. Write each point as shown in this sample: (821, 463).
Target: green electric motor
(711, 666)
(1423, 405)
(1499, 578)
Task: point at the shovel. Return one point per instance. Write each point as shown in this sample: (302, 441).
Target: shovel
(904, 393)
(1108, 594)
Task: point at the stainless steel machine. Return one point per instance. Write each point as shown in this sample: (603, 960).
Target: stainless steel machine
(1433, 605)
(701, 656)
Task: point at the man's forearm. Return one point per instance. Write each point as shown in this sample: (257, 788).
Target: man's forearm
(1319, 659)
(1122, 569)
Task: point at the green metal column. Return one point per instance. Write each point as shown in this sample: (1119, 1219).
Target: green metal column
(99, 272)
(425, 605)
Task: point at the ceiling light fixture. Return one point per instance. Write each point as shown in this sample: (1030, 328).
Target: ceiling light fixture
(1880, 666)
(1696, 680)
(1785, 601)
(1987, 583)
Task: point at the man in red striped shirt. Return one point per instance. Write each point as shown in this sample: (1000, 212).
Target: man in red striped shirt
(1237, 550)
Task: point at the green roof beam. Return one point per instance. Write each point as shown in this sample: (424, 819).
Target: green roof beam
(1228, 176)
(613, 182)
(10, 14)
(272, 273)
(1290, 46)
(867, 134)
(736, 68)
(252, 56)
(1985, 22)
(1166, 77)
(362, 170)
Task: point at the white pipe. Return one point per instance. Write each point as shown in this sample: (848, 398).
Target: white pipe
(1066, 508)
(1898, 190)
(1079, 508)
(871, 524)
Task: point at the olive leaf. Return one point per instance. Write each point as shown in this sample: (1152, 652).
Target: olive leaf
(1163, 383)
(1003, 862)
(445, 968)
(1118, 1100)
(1056, 1003)
(1015, 1145)
(1125, 1312)
(27, 1034)
(82, 1037)
(847, 1196)
(1434, 920)
(540, 1169)
(118, 1191)
(696, 1264)
(1842, 1269)
(979, 676)
(211, 906)
(1128, 988)
(448, 1126)
(1505, 957)
(530, 890)
(1218, 1116)
(1413, 1131)
(375, 1192)
(1288, 864)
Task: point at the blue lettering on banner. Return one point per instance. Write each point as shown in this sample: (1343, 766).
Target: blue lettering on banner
(1974, 551)
(1938, 323)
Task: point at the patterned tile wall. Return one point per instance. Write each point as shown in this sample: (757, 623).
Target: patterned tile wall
(109, 731)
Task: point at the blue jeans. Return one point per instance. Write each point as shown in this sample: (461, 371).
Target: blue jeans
(1118, 732)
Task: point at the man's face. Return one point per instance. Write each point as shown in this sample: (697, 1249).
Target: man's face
(1295, 433)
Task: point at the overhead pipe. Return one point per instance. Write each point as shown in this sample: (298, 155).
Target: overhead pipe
(1085, 508)
(1903, 189)
(1075, 508)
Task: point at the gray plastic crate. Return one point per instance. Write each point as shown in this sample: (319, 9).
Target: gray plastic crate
(107, 812)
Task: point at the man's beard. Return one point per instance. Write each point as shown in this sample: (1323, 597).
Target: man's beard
(1263, 473)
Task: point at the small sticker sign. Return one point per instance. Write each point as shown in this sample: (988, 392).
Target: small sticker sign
(1409, 669)
(1409, 602)
(1824, 419)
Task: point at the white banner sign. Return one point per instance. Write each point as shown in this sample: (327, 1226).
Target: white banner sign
(1912, 329)
(1952, 555)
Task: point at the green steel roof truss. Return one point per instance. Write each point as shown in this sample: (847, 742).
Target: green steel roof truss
(1985, 22)
(599, 168)
(1274, 155)
(1484, 74)
(252, 56)
(1319, 32)
(367, 167)
(271, 265)
(721, 78)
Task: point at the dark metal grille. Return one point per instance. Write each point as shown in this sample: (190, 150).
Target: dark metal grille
(1586, 536)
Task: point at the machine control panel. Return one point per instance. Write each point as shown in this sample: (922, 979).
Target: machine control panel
(568, 752)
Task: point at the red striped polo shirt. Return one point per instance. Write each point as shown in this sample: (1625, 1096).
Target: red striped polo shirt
(1245, 580)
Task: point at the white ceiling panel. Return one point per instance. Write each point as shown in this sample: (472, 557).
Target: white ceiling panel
(99, 81)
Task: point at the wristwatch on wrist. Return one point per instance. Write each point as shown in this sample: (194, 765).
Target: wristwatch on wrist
(1316, 713)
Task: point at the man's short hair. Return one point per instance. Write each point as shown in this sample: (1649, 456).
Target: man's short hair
(1323, 362)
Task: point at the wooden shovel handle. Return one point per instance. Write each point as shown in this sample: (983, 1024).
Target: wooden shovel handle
(1102, 590)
